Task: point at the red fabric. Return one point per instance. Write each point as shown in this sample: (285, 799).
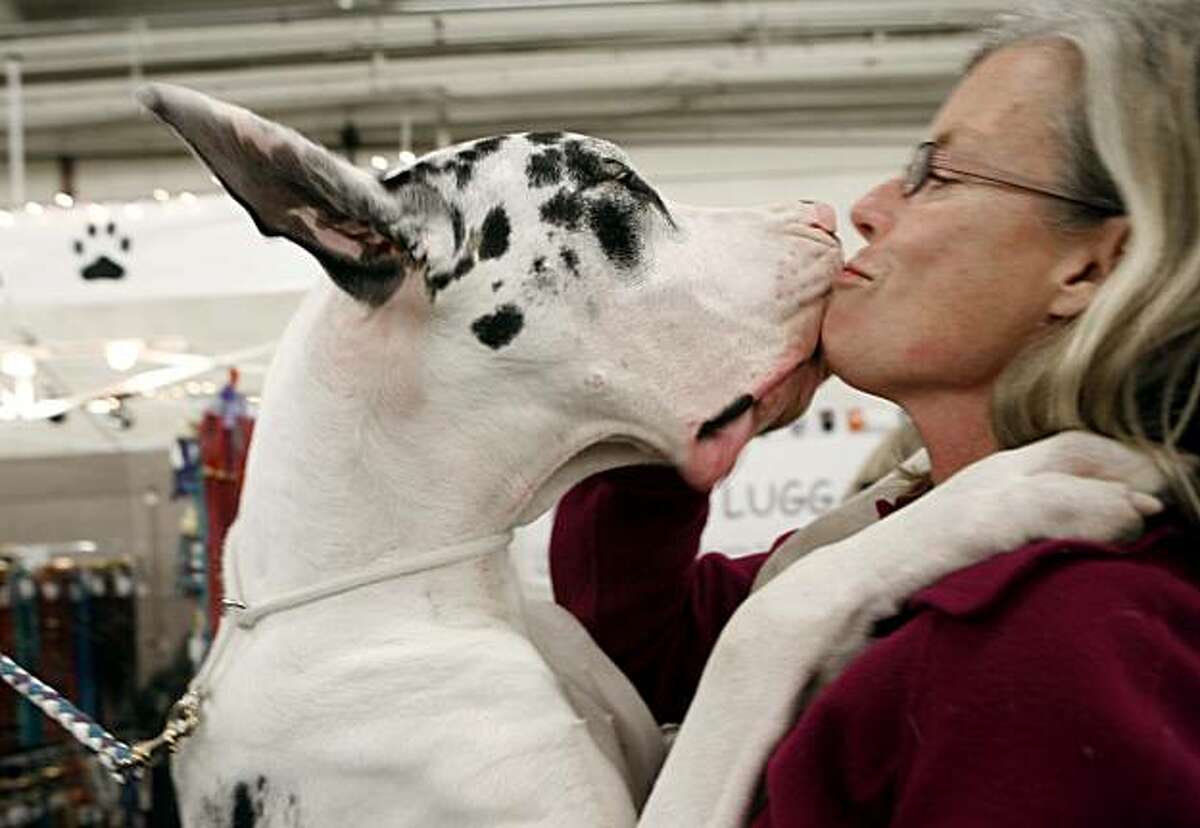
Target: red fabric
(1058, 685)
(223, 459)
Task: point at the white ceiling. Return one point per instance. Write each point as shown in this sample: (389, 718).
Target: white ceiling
(633, 71)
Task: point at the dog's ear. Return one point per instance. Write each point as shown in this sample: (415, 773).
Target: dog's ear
(365, 237)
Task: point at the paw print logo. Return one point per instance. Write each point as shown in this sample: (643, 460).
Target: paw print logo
(100, 250)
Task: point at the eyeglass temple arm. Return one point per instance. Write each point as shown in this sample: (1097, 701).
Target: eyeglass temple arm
(938, 160)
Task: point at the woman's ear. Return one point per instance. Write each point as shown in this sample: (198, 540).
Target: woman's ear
(1087, 266)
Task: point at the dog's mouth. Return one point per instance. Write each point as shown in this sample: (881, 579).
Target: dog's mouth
(719, 440)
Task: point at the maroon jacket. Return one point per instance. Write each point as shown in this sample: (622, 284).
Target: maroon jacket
(1058, 685)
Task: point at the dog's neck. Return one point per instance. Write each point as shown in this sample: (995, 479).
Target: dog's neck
(349, 476)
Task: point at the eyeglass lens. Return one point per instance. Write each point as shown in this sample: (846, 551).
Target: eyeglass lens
(918, 168)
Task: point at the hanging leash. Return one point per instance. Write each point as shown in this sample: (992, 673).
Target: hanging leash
(127, 763)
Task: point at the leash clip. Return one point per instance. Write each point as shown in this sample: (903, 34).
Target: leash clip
(181, 721)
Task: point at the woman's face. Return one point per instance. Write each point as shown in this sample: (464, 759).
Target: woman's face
(956, 278)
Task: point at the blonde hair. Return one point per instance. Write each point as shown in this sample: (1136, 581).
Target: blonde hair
(1129, 366)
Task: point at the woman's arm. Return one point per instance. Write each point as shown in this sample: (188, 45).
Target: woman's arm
(623, 560)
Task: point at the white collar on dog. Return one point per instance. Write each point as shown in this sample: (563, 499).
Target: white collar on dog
(246, 616)
(186, 714)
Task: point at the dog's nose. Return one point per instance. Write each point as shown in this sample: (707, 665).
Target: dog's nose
(823, 217)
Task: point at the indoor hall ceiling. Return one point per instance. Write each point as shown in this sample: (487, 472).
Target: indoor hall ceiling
(646, 71)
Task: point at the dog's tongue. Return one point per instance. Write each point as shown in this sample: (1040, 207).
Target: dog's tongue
(717, 442)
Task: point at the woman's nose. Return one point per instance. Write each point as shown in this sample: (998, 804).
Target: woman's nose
(871, 214)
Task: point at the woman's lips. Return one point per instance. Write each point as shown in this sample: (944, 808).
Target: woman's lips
(850, 273)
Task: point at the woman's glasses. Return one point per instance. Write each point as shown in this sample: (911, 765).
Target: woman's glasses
(929, 158)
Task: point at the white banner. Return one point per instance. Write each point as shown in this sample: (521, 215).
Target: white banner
(181, 248)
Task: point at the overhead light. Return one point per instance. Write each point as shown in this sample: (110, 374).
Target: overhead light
(160, 194)
(17, 364)
(98, 212)
(103, 405)
(407, 157)
(345, 5)
(64, 200)
(122, 354)
(187, 198)
(33, 208)
(379, 162)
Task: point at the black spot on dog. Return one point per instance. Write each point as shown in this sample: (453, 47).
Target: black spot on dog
(421, 172)
(498, 329)
(495, 234)
(463, 172)
(734, 410)
(397, 178)
(615, 226)
(371, 282)
(456, 220)
(544, 168)
(542, 277)
(544, 137)
(585, 167)
(418, 173)
(440, 281)
(564, 209)
(571, 259)
(244, 813)
(497, 285)
(488, 145)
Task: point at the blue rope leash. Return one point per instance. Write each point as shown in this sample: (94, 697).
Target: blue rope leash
(125, 763)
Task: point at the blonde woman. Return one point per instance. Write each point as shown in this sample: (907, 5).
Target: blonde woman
(1036, 269)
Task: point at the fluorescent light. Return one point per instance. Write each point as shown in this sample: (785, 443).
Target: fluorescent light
(122, 354)
(104, 405)
(17, 364)
(160, 194)
(34, 209)
(379, 162)
(64, 200)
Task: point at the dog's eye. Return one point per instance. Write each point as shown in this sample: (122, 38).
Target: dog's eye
(632, 181)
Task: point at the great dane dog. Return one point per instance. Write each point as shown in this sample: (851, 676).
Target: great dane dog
(501, 319)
